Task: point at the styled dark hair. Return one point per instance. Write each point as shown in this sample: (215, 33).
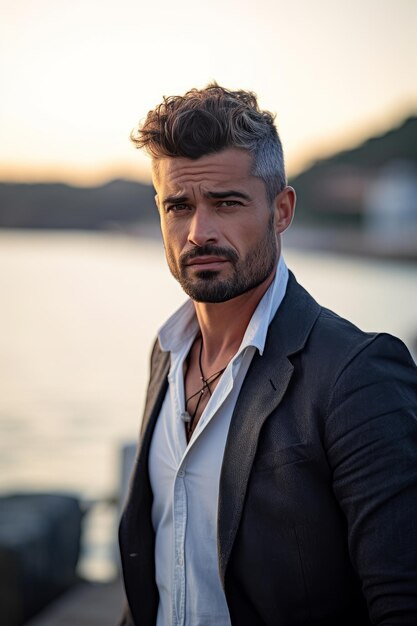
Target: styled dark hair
(208, 120)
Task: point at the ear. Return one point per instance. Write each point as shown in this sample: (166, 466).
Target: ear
(156, 201)
(284, 206)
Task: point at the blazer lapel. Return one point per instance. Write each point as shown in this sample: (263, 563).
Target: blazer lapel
(262, 391)
(135, 532)
(156, 393)
(156, 389)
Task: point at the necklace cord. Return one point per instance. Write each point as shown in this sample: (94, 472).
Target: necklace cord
(206, 386)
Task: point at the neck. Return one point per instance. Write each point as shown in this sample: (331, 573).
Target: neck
(224, 324)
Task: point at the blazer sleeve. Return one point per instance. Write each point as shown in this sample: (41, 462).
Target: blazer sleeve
(371, 432)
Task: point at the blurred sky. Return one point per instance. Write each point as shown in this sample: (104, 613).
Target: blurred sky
(75, 77)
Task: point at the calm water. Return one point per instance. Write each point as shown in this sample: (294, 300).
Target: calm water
(78, 316)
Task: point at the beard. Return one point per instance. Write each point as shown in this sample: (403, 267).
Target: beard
(247, 273)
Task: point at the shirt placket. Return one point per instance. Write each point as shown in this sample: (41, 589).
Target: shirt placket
(180, 523)
(179, 506)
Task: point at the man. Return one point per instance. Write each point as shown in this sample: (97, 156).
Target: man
(276, 476)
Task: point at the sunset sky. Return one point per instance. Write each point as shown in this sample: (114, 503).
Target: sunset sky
(75, 77)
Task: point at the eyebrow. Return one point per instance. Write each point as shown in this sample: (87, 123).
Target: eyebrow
(220, 195)
(175, 199)
(213, 195)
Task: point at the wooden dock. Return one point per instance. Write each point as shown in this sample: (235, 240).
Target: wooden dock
(86, 604)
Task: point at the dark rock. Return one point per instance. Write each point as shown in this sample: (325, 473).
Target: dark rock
(39, 548)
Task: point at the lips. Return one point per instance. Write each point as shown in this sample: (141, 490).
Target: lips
(207, 260)
(207, 263)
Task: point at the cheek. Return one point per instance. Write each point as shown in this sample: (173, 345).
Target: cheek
(174, 229)
(249, 234)
(166, 229)
(172, 238)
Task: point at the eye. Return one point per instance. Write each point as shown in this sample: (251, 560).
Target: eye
(229, 203)
(177, 208)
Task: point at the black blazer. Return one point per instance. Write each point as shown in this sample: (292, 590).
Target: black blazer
(317, 519)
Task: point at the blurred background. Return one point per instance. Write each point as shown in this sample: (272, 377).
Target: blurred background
(82, 272)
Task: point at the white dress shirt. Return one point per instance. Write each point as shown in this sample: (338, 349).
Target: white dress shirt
(185, 477)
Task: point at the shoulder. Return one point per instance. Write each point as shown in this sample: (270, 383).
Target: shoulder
(342, 343)
(361, 378)
(328, 349)
(327, 336)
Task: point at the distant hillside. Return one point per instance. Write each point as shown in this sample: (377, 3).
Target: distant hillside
(397, 144)
(116, 204)
(335, 189)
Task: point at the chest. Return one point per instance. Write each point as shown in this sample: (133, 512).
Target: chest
(198, 391)
(201, 457)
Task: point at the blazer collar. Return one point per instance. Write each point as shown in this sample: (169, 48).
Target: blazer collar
(262, 391)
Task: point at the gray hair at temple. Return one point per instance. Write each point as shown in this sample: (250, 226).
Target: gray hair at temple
(205, 121)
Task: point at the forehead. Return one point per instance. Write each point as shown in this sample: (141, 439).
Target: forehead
(220, 169)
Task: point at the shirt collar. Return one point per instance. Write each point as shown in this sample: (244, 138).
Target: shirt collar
(183, 325)
(180, 327)
(257, 329)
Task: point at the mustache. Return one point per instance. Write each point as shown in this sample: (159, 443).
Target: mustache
(209, 250)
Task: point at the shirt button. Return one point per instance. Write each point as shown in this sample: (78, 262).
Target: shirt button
(180, 561)
(181, 473)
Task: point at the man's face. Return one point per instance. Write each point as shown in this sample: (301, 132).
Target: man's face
(219, 232)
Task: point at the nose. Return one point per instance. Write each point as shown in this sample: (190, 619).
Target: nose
(202, 227)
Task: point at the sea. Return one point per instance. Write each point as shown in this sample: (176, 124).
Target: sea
(78, 315)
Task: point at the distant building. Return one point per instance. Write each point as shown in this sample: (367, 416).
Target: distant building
(390, 204)
(339, 190)
(364, 200)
